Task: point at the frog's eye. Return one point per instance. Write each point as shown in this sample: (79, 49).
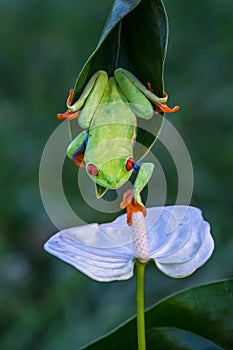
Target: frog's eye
(130, 164)
(92, 170)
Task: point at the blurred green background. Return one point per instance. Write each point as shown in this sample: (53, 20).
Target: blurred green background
(44, 303)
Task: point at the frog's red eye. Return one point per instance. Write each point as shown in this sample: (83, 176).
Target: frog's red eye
(92, 170)
(130, 164)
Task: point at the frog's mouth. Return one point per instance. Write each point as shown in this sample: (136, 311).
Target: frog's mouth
(112, 182)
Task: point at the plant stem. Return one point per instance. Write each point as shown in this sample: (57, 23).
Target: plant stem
(140, 269)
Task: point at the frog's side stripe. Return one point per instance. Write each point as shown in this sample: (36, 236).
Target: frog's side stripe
(77, 148)
(80, 148)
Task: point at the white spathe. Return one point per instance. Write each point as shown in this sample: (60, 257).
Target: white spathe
(178, 240)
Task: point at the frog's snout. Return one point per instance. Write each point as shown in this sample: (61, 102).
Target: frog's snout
(113, 174)
(113, 182)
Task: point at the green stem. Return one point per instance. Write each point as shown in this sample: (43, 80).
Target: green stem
(140, 269)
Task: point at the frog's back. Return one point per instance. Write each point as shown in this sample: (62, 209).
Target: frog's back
(113, 108)
(113, 124)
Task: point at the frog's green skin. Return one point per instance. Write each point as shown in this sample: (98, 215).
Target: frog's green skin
(108, 108)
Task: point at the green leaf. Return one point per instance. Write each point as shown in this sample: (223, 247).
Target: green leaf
(196, 318)
(134, 38)
(174, 338)
(147, 133)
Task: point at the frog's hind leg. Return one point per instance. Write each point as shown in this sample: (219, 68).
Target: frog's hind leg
(84, 108)
(131, 86)
(76, 149)
(139, 103)
(69, 115)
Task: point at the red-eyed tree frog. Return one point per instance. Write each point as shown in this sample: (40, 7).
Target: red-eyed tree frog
(107, 110)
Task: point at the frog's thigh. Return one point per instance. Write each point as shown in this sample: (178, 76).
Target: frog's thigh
(134, 95)
(93, 100)
(86, 92)
(146, 92)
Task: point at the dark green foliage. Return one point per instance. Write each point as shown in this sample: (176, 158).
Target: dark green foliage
(197, 318)
(142, 54)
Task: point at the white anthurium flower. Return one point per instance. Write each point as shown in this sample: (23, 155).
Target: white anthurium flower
(177, 238)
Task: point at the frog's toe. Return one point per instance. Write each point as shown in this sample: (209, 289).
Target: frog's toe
(127, 198)
(131, 205)
(68, 115)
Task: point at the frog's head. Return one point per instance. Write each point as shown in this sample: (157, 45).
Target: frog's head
(113, 173)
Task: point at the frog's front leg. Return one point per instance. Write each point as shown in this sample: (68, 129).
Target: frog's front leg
(132, 199)
(76, 149)
(145, 171)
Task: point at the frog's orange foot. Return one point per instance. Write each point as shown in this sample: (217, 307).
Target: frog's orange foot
(163, 107)
(131, 206)
(68, 115)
